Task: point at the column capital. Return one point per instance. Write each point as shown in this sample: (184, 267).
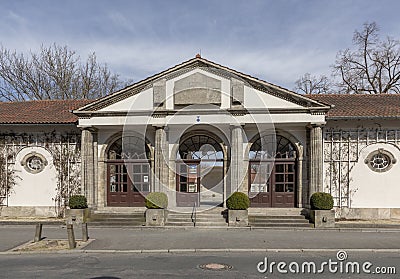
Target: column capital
(236, 125)
(315, 125)
(160, 126)
(91, 129)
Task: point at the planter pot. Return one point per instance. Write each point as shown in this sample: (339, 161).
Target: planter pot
(238, 218)
(155, 217)
(323, 218)
(77, 216)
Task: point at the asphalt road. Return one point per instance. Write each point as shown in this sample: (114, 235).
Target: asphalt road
(150, 239)
(110, 254)
(185, 265)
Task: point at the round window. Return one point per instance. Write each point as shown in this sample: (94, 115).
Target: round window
(380, 160)
(34, 162)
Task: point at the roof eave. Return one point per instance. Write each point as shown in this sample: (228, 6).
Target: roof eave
(362, 117)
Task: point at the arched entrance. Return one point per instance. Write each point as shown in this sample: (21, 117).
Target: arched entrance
(272, 172)
(199, 172)
(128, 172)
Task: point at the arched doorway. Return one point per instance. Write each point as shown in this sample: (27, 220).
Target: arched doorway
(272, 172)
(128, 172)
(199, 172)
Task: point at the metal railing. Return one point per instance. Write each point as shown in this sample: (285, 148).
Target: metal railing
(194, 213)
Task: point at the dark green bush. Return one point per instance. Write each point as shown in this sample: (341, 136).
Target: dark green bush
(238, 201)
(77, 202)
(321, 201)
(156, 200)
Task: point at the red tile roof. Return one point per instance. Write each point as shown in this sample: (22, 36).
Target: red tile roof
(58, 111)
(360, 105)
(40, 112)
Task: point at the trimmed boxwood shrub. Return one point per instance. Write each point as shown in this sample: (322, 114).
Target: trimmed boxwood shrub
(321, 201)
(156, 200)
(77, 202)
(238, 201)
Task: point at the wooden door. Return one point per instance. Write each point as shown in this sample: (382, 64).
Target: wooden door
(272, 184)
(127, 183)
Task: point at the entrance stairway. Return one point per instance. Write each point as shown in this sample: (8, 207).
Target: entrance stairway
(278, 218)
(209, 218)
(117, 219)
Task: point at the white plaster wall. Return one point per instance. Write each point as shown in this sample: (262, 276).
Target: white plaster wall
(140, 101)
(34, 189)
(371, 189)
(256, 99)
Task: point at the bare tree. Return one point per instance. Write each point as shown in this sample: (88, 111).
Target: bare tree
(373, 67)
(56, 72)
(308, 84)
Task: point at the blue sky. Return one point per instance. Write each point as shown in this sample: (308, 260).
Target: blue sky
(277, 41)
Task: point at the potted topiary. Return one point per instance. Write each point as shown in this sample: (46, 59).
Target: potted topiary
(156, 203)
(237, 205)
(78, 211)
(321, 214)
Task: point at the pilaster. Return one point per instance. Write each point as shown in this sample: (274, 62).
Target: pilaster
(89, 163)
(316, 159)
(236, 166)
(161, 158)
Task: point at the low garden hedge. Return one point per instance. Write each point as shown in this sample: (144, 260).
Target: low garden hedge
(77, 202)
(321, 201)
(238, 201)
(156, 200)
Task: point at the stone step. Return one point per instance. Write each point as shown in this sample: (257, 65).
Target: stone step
(179, 224)
(281, 221)
(275, 211)
(117, 223)
(210, 224)
(299, 217)
(183, 217)
(272, 221)
(117, 219)
(210, 218)
(281, 225)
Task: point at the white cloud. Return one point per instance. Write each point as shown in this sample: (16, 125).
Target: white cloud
(273, 40)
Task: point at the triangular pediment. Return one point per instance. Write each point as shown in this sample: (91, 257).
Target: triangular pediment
(200, 81)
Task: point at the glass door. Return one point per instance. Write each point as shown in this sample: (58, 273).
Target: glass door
(188, 184)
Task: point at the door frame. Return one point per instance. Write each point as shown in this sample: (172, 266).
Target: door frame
(132, 198)
(269, 199)
(193, 198)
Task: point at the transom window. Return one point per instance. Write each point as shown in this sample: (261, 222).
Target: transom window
(270, 147)
(200, 147)
(129, 147)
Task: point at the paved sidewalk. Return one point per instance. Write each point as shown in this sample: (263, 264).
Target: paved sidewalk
(164, 240)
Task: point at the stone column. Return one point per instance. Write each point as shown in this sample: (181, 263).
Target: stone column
(316, 159)
(161, 159)
(299, 179)
(88, 164)
(236, 166)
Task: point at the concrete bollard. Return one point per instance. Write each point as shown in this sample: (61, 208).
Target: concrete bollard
(38, 233)
(71, 236)
(85, 234)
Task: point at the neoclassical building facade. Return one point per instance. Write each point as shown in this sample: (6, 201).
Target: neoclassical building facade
(200, 131)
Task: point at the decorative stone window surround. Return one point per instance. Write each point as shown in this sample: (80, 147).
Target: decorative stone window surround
(380, 160)
(27, 159)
